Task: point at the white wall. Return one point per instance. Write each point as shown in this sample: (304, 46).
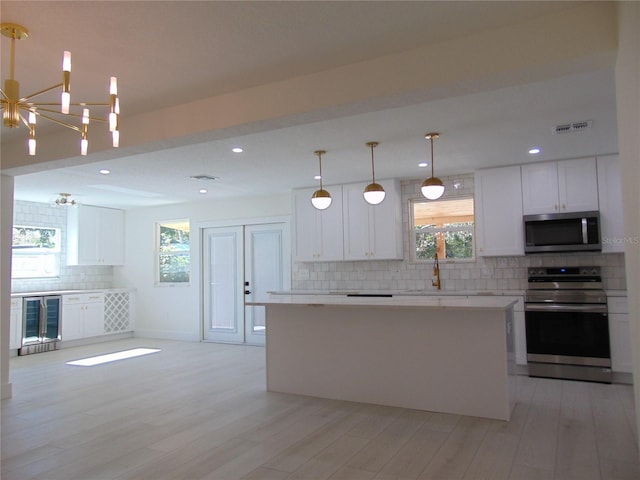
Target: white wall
(174, 312)
(628, 103)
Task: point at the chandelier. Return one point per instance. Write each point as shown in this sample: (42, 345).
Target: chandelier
(27, 109)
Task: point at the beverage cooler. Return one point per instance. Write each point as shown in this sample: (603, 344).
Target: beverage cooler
(40, 324)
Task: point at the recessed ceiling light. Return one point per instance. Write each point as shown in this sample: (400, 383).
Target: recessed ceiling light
(104, 171)
(237, 150)
(534, 151)
(203, 191)
(423, 164)
(317, 177)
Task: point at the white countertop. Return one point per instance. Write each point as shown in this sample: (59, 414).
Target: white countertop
(406, 293)
(69, 292)
(471, 302)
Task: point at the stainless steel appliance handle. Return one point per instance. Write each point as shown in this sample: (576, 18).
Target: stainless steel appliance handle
(558, 307)
(585, 236)
(43, 318)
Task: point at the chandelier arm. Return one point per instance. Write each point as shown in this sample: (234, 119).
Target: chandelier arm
(6, 97)
(59, 122)
(24, 99)
(76, 115)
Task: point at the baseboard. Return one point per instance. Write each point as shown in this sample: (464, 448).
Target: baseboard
(616, 377)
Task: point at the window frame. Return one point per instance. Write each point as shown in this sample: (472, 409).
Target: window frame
(413, 258)
(158, 253)
(41, 255)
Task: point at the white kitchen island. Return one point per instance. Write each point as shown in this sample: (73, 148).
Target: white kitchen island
(451, 354)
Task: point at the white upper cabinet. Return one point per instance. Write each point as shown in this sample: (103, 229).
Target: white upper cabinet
(95, 236)
(610, 197)
(558, 187)
(498, 214)
(372, 232)
(317, 234)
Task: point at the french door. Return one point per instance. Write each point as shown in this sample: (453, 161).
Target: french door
(241, 264)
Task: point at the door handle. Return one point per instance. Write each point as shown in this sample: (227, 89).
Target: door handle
(247, 292)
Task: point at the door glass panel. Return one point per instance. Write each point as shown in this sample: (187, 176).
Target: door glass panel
(223, 282)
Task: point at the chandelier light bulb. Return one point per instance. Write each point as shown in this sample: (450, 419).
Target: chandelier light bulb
(115, 136)
(32, 133)
(84, 145)
(66, 62)
(113, 86)
(65, 102)
(85, 116)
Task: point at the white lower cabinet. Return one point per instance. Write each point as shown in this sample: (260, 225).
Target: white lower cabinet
(15, 339)
(82, 315)
(619, 334)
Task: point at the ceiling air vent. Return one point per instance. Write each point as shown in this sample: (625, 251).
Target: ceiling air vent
(203, 176)
(572, 127)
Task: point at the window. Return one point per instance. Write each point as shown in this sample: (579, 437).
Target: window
(173, 249)
(35, 252)
(444, 227)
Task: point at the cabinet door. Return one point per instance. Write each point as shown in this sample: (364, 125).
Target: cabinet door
(72, 309)
(111, 237)
(93, 315)
(331, 227)
(372, 232)
(83, 235)
(578, 185)
(15, 332)
(306, 227)
(95, 236)
(540, 188)
(357, 229)
(610, 202)
(385, 224)
(498, 214)
(317, 234)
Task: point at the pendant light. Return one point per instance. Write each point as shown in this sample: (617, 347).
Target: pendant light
(373, 193)
(321, 199)
(432, 187)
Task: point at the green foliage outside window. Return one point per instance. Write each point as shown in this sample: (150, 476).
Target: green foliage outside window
(458, 243)
(174, 254)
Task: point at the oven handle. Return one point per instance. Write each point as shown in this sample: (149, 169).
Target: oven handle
(563, 307)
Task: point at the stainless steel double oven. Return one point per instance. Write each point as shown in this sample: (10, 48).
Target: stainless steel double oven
(567, 325)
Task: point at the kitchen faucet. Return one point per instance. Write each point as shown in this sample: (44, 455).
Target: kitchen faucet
(436, 273)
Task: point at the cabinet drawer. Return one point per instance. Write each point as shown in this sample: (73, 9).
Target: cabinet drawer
(82, 298)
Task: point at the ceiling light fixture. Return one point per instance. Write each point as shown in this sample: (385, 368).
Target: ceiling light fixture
(63, 200)
(432, 187)
(237, 150)
(14, 107)
(321, 199)
(373, 193)
(534, 151)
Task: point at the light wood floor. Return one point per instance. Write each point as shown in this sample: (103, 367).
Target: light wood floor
(200, 411)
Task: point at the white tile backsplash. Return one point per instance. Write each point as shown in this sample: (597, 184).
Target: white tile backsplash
(485, 273)
(71, 277)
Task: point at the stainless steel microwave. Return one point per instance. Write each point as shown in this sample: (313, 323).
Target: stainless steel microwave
(562, 232)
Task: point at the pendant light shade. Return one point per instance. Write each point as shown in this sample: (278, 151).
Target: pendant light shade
(321, 199)
(373, 193)
(432, 188)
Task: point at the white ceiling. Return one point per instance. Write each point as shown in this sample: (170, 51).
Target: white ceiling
(168, 53)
